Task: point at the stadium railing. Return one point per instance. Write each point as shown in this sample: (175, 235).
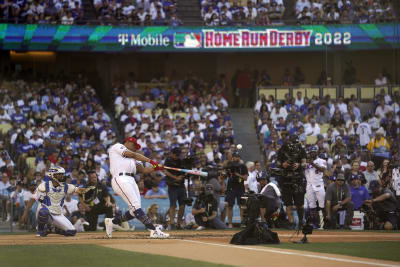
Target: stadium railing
(363, 93)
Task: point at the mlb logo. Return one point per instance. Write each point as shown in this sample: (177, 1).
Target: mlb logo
(187, 40)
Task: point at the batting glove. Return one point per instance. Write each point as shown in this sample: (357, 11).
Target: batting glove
(159, 167)
(154, 163)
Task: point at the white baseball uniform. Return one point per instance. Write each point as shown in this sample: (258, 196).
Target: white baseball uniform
(52, 198)
(315, 184)
(122, 170)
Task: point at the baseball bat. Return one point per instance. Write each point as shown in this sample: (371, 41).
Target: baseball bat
(194, 172)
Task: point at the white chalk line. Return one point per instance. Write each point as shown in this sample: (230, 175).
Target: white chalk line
(303, 254)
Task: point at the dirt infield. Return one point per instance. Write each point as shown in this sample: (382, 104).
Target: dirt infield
(215, 244)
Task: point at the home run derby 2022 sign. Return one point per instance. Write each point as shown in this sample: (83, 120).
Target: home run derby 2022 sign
(33, 37)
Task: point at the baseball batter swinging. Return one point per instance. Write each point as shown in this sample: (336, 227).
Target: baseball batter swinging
(123, 167)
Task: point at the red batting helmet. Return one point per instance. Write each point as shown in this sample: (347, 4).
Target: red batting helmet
(133, 140)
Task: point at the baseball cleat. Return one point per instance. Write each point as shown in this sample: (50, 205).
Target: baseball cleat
(158, 234)
(41, 234)
(109, 227)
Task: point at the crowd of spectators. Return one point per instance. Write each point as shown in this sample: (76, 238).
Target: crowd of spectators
(358, 146)
(139, 12)
(189, 115)
(122, 12)
(64, 124)
(242, 13)
(42, 11)
(51, 124)
(343, 11)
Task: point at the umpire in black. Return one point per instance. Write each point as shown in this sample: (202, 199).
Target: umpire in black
(176, 187)
(237, 174)
(97, 201)
(291, 160)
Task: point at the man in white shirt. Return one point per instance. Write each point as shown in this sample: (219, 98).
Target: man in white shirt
(277, 112)
(214, 154)
(4, 117)
(299, 100)
(382, 109)
(381, 80)
(364, 132)
(342, 106)
(312, 128)
(251, 183)
(301, 4)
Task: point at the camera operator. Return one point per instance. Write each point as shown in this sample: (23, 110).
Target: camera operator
(237, 174)
(216, 179)
(97, 201)
(384, 203)
(205, 210)
(271, 201)
(291, 160)
(176, 187)
(338, 197)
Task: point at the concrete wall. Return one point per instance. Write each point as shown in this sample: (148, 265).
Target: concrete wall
(145, 66)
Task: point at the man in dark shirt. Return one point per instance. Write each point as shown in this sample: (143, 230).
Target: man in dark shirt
(271, 203)
(238, 173)
(176, 187)
(384, 204)
(79, 219)
(205, 210)
(338, 197)
(97, 201)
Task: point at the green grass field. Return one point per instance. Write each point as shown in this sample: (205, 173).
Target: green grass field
(85, 255)
(386, 250)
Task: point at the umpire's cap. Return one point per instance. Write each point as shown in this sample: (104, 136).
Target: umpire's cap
(133, 140)
(294, 139)
(176, 151)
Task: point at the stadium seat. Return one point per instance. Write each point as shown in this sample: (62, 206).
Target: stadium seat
(30, 161)
(331, 91)
(207, 149)
(367, 93)
(324, 128)
(181, 114)
(349, 91)
(311, 140)
(5, 127)
(281, 92)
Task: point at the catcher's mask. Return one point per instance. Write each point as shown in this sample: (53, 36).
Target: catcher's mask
(57, 174)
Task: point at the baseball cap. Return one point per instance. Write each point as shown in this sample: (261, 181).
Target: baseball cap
(374, 185)
(133, 140)
(354, 177)
(176, 151)
(340, 176)
(208, 189)
(235, 154)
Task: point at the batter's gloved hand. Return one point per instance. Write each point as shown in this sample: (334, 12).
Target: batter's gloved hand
(154, 163)
(159, 167)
